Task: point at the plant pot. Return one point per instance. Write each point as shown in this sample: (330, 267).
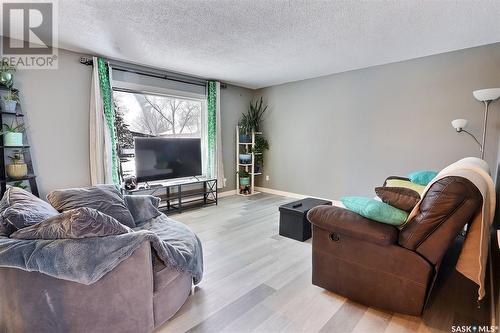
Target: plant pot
(245, 138)
(13, 139)
(16, 171)
(245, 158)
(244, 181)
(6, 78)
(9, 106)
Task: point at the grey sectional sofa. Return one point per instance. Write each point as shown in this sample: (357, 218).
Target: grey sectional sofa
(136, 296)
(66, 273)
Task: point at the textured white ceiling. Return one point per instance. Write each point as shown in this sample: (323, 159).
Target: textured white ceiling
(267, 42)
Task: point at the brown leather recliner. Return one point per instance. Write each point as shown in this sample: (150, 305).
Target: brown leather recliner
(379, 265)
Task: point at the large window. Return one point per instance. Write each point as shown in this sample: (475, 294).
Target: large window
(154, 115)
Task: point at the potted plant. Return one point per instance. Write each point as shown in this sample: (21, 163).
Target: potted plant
(6, 73)
(244, 178)
(17, 169)
(10, 101)
(261, 144)
(13, 135)
(20, 184)
(255, 115)
(244, 129)
(251, 120)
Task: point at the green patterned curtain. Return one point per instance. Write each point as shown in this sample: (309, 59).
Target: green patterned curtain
(211, 121)
(109, 113)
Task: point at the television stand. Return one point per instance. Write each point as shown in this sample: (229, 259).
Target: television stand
(179, 195)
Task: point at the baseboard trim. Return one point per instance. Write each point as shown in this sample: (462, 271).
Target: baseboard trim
(281, 193)
(277, 192)
(292, 195)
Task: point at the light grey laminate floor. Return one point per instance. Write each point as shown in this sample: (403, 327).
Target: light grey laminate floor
(256, 280)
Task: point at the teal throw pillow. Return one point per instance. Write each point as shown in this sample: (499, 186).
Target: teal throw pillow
(422, 177)
(375, 210)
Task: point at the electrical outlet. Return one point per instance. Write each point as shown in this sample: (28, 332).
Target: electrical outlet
(267, 178)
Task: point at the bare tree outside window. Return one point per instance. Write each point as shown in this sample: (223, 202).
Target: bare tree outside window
(165, 116)
(155, 115)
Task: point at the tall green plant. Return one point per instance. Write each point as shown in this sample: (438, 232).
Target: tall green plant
(252, 119)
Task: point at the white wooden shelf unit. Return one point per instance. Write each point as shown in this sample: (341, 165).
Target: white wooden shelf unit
(246, 148)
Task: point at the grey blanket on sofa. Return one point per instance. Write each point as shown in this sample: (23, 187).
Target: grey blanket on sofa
(89, 259)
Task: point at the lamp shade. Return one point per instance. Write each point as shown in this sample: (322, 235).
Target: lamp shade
(486, 94)
(459, 124)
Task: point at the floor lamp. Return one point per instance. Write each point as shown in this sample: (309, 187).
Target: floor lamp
(486, 96)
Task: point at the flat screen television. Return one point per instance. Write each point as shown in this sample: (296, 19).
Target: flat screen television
(167, 158)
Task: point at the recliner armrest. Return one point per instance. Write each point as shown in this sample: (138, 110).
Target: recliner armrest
(345, 222)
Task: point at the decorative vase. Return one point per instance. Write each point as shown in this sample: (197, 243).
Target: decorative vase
(16, 171)
(244, 181)
(245, 158)
(9, 106)
(245, 138)
(13, 139)
(6, 78)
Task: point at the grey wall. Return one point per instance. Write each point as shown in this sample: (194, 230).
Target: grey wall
(343, 134)
(234, 102)
(57, 106)
(330, 136)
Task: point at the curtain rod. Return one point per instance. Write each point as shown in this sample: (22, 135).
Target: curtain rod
(151, 72)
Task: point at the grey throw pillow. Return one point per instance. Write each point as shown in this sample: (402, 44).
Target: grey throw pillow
(105, 198)
(76, 223)
(142, 207)
(20, 209)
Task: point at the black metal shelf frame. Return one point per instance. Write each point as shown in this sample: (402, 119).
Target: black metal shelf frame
(176, 197)
(31, 177)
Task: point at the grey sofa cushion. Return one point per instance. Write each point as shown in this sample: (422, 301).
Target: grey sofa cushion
(142, 207)
(19, 209)
(81, 222)
(5, 228)
(105, 198)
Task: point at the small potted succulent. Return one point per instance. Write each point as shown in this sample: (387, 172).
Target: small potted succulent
(17, 168)
(10, 101)
(20, 184)
(244, 178)
(13, 135)
(6, 73)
